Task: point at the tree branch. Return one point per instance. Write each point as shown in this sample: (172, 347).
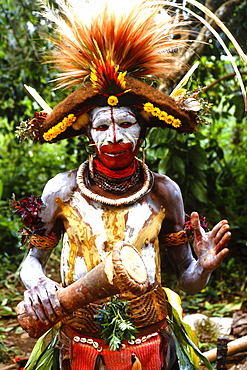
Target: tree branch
(226, 77)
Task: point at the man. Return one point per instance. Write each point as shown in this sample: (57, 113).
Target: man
(92, 226)
(114, 197)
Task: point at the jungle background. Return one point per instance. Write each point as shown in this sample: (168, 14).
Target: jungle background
(209, 166)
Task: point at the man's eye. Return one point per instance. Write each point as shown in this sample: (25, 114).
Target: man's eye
(126, 124)
(102, 128)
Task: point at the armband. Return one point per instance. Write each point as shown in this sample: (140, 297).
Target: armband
(178, 238)
(43, 242)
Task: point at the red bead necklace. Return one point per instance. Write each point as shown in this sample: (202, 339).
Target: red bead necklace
(115, 174)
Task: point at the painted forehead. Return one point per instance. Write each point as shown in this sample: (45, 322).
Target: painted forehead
(108, 115)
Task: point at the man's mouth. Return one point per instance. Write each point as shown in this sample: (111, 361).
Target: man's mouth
(115, 153)
(116, 149)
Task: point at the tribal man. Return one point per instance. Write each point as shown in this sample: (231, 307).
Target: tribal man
(114, 197)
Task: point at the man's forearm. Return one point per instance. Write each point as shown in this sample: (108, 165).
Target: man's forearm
(33, 268)
(194, 278)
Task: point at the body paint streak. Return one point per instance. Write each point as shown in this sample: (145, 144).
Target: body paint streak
(81, 239)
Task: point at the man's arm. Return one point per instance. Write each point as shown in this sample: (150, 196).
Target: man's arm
(191, 276)
(210, 248)
(40, 299)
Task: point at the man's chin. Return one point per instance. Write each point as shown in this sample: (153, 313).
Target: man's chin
(117, 162)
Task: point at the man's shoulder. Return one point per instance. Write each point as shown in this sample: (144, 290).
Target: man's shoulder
(164, 183)
(61, 185)
(166, 191)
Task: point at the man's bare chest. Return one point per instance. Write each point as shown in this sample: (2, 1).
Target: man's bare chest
(92, 229)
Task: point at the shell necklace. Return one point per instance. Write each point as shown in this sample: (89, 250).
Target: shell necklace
(146, 187)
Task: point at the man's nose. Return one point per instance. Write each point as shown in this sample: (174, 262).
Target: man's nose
(114, 134)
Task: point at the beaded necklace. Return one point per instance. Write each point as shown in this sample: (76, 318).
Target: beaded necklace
(129, 178)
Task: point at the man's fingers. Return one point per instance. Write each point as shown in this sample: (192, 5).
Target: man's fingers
(34, 308)
(222, 242)
(42, 303)
(29, 307)
(56, 306)
(39, 309)
(221, 255)
(195, 222)
(216, 229)
(221, 232)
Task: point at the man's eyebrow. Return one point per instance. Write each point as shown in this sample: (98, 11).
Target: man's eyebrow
(101, 120)
(126, 118)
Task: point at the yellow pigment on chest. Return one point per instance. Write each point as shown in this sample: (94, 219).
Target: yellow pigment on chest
(93, 230)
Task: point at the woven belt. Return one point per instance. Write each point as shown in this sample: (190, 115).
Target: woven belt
(146, 310)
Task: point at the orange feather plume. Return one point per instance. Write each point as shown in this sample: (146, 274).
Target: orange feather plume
(136, 41)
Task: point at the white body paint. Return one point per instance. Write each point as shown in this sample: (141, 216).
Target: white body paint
(130, 223)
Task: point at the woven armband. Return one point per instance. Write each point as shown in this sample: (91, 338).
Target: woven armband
(43, 242)
(178, 238)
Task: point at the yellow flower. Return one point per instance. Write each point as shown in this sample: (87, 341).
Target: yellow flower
(156, 112)
(176, 123)
(163, 115)
(47, 136)
(169, 119)
(112, 100)
(148, 107)
(71, 117)
(60, 127)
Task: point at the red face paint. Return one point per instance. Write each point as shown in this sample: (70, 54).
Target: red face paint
(117, 156)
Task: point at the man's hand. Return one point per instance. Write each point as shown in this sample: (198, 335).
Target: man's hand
(210, 247)
(41, 302)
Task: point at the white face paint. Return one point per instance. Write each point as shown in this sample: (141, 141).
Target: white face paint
(116, 135)
(114, 125)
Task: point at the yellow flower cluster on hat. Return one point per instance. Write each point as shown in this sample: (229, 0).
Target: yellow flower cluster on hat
(60, 127)
(162, 115)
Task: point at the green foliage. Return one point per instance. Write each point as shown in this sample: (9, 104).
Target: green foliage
(183, 159)
(44, 355)
(115, 324)
(210, 168)
(186, 342)
(6, 353)
(207, 333)
(25, 168)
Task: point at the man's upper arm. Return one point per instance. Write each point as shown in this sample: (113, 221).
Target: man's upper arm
(172, 236)
(171, 199)
(60, 186)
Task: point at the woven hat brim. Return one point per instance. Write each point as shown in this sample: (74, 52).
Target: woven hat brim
(85, 99)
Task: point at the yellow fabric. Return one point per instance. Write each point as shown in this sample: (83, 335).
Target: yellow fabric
(174, 299)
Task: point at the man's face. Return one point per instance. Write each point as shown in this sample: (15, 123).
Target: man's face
(116, 135)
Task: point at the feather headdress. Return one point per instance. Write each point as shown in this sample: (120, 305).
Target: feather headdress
(115, 51)
(136, 40)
